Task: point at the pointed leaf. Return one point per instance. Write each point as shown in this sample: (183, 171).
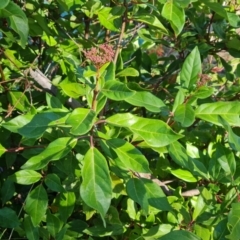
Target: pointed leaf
(96, 190)
(81, 120)
(2, 150)
(116, 90)
(32, 232)
(210, 112)
(132, 72)
(155, 133)
(131, 158)
(191, 69)
(8, 218)
(184, 175)
(180, 235)
(175, 15)
(55, 151)
(54, 224)
(53, 182)
(234, 222)
(25, 177)
(36, 204)
(185, 115)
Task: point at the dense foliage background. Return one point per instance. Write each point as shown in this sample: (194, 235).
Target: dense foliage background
(120, 119)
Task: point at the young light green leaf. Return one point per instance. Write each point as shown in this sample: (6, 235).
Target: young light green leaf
(191, 69)
(151, 20)
(66, 202)
(40, 122)
(234, 222)
(25, 177)
(2, 150)
(8, 218)
(74, 90)
(32, 232)
(180, 235)
(179, 99)
(36, 204)
(184, 114)
(210, 112)
(184, 175)
(19, 101)
(155, 133)
(116, 90)
(129, 156)
(96, 190)
(147, 100)
(81, 120)
(128, 72)
(53, 182)
(203, 92)
(55, 151)
(175, 15)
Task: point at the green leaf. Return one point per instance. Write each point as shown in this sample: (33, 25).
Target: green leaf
(4, 3)
(74, 90)
(184, 175)
(96, 190)
(151, 20)
(66, 202)
(116, 90)
(19, 101)
(155, 133)
(175, 15)
(234, 222)
(180, 235)
(54, 224)
(53, 182)
(203, 92)
(81, 120)
(36, 204)
(7, 191)
(18, 21)
(191, 69)
(216, 7)
(210, 112)
(158, 231)
(25, 177)
(130, 157)
(8, 218)
(32, 232)
(55, 151)
(147, 100)
(128, 72)
(2, 150)
(40, 122)
(185, 115)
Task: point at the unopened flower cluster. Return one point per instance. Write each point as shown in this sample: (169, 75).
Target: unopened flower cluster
(101, 55)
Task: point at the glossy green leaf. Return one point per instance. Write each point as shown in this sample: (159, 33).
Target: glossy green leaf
(210, 112)
(18, 21)
(179, 99)
(234, 222)
(19, 101)
(8, 218)
(7, 191)
(199, 208)
(4, 3)
(53, 182)
(40, 122)
(66, 202)
(32, 232)
(216, 7)
(185, 115)
(36, 204)
(116, 90)
(180, 235)
(191, 69)
(74, 90)
(203, 92)
(155, 133)
(96, 190)
(175, 15)
(2, 150)
(25, 177)
(54, 151)
(147, 100)
(150, 20)
(184, 175)
(128, 72)
(130, 157)
(54, 224)
(81, 120)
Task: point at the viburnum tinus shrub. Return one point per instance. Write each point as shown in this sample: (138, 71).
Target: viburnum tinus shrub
(119, 119)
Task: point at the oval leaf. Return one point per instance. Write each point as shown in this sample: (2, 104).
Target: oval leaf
(185, 115)
(8, 218)
(25, 177)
